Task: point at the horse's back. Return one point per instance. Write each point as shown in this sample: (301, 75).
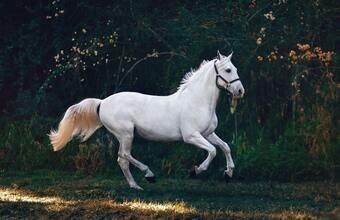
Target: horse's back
(153, 117)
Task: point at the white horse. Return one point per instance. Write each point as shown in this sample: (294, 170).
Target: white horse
(188, 115)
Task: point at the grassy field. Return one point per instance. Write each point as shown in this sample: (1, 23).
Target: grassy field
(67, 195)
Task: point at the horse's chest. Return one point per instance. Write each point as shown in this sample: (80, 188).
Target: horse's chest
(205, 123)
(202, 120)
(210, 126)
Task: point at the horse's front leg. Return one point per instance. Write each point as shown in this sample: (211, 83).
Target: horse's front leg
(214, 139)
(197, 139)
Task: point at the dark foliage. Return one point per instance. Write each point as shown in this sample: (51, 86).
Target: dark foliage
(55, 53)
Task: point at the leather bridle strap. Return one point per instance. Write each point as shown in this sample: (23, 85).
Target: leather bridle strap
(223, 79)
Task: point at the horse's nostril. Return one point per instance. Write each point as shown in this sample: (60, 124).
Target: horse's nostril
(240, 91)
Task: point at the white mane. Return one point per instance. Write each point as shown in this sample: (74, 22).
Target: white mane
(191, 76)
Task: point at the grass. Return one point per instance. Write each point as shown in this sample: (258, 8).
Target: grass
(54, 194)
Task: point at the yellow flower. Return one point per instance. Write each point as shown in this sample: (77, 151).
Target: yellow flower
(303, 47)
(317, 49)
(292, 53)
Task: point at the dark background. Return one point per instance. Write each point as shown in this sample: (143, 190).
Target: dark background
(56, 53)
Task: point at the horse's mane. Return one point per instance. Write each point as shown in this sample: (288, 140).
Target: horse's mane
(191, 76)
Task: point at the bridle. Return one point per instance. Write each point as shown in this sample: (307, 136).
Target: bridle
(223, 79)
(222, 88)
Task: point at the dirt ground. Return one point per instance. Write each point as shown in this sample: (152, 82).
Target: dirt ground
(66, 195)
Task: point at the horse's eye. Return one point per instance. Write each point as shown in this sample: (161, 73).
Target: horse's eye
(228, 70)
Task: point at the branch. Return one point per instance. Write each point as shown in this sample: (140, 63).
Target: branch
(148, 56)
(157, 36)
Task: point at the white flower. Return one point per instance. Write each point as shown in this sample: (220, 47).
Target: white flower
(262, 30)
(269, 16)
(56, 58)
(259, 41)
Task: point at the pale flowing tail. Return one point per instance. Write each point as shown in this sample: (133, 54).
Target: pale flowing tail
(80, 119)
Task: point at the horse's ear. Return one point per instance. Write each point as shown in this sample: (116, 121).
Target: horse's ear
(219, 56)
(230, 55)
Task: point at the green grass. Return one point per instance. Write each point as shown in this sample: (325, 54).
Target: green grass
(55, 194)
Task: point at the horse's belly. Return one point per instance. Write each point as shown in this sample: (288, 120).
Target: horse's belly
(157, 119)
(158, 132)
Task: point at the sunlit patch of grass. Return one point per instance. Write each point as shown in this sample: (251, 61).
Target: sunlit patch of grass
(176, 207)
(20, 195)
(57, 204)
(141, 208)
(53, 203)
(57, 207)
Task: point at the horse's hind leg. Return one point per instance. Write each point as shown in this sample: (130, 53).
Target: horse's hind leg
(125, 157)
(144, 168)
(125, 153)
(124, 149)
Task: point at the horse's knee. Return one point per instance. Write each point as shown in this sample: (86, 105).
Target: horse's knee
(212, 152)
(122, 162)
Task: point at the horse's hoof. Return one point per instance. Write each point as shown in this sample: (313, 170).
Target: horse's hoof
(228, 173)
(192, 172)
(150, 179)
(136, 187)
(226, 177)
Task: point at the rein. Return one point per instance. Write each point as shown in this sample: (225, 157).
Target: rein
(224, 80)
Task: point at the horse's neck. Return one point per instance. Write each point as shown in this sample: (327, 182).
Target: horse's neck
(204, 91)
(209, 90)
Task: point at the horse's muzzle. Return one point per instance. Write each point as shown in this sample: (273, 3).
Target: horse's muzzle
(238, 91)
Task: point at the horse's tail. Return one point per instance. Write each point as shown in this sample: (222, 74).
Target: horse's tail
(80, 119)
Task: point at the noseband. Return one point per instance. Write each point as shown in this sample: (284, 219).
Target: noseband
(224, 80)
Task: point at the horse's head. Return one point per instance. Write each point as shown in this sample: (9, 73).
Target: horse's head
(227, 77)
